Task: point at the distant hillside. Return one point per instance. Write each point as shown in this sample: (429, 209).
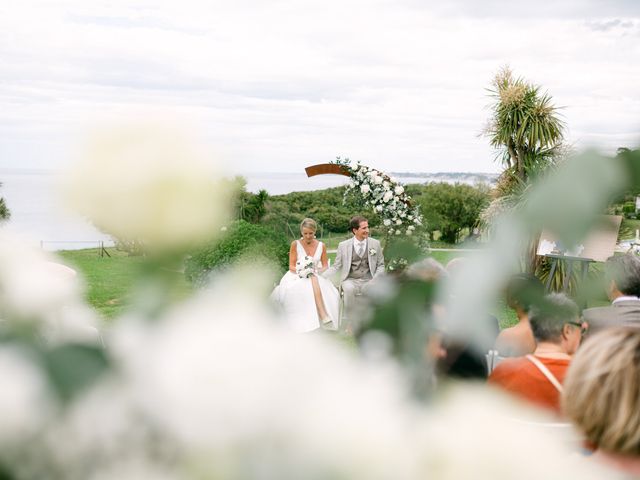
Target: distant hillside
(470, 178)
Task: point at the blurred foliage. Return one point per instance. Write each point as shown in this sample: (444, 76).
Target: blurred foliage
(242, 240)
(451, 208)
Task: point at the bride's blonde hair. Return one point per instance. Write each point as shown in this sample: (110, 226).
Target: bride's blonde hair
(309, 223)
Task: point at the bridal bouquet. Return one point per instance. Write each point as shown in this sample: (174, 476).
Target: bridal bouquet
(305, 267)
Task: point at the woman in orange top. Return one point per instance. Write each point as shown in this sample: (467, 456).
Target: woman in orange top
(538, 378)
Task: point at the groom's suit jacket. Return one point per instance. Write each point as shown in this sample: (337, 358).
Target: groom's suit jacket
(342, 265)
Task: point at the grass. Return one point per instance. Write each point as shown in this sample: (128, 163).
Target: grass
(109, 280)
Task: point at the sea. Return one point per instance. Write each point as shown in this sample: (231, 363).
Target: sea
(40, 217)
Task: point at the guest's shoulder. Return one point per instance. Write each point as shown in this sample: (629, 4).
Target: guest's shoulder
(595, 312)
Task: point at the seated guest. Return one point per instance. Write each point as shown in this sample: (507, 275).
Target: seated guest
(522, 292)
(462, 358)
(601, 396)
(538, 378)
(622, 277)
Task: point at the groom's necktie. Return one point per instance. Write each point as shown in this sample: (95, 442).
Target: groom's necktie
(360, 249)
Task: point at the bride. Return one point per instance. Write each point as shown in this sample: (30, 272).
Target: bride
(308, 300)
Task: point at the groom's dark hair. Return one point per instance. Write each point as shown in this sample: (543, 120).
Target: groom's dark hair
(355, 222)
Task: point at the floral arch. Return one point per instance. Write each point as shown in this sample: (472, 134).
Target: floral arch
(384, 194)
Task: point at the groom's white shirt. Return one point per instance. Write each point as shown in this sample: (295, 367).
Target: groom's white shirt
(342, 264)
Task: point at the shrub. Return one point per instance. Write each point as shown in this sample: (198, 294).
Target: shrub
(243, 240)
(451, 208)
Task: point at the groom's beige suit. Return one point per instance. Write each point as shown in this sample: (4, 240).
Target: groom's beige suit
(355, 270)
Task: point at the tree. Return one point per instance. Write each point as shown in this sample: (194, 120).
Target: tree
(524, 127)
(5, 214)
(451, 208)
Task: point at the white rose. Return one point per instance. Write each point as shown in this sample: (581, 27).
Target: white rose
(398, 222)
(399, 190)
(410, 217)
(147, 182)
(386, 185)
(402, 214)
(387, 196)
(365, 188)
(409, 232)
(411, 227)
(391, 231)
(379, 208)
(398, 232)
(377, 179)
(387, 222)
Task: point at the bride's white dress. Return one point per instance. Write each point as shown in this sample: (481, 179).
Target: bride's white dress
(295, 295)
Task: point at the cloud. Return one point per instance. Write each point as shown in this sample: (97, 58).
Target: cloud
(282, 85)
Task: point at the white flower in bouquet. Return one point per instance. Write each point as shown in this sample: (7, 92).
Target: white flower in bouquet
(147, 182)
(305, 267)
(387, 196)
(365, 188)
(398, 190)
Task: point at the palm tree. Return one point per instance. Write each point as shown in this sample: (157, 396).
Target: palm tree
(5, 214)
(524, 127)
(527, 131)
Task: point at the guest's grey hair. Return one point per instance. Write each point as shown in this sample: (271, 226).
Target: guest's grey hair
(428, 270)
(548, 317)
(624, 270)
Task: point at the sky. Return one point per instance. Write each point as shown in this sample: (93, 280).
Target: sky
(275, 86)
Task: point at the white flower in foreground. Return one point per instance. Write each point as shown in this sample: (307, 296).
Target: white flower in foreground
(223, 381)
(499, 440)
(149, 183)
(399, 190)
(387, 196)
(32, 285)
(25, 397)
(365, 188)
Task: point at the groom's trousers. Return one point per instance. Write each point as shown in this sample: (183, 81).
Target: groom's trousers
(352, 290)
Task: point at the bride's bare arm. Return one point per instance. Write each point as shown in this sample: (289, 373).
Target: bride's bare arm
(293, 257)
(324, 259)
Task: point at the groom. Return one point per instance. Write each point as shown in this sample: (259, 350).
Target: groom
(358, 261)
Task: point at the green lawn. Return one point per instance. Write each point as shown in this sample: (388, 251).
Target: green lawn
(110, 280)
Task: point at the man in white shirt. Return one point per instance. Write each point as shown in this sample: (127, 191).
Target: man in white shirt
(358, 261)
(622, 275)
